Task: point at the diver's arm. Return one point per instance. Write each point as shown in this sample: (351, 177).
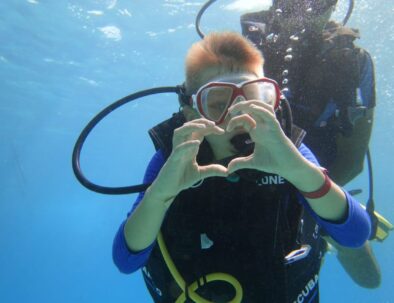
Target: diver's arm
(306, 176)
(360, 264)
(354, 229)
(124, 258)
(336, 211)
(179, 172)
(275, 153)
(143, 225)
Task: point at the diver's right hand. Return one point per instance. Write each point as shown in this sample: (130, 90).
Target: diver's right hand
(181, 170)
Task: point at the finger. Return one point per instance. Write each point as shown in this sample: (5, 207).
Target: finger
(196, 125)
(256, 102)
(240, 163)
(188, 150)
(245, 121)
(202, 121)
(188, 128)
(259, 113)
(241, 106)
(194, 130)
(213, 170)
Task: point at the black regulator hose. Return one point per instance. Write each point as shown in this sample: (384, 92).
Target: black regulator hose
(199, 15)
(349, 12)
(371, 202)
(287, 115)
(89, 127)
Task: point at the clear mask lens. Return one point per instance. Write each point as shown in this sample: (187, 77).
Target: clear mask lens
(263, 91)
(216, 100)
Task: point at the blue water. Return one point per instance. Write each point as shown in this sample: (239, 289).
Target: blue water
(63, 61)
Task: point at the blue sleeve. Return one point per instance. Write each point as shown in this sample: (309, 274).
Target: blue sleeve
(355, 229)
(126, 260)
(367, 80)
(307, 153)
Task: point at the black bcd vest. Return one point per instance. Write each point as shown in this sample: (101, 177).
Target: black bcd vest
(248, 237)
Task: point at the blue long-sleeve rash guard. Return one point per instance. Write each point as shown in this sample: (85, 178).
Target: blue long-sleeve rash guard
(353, 232)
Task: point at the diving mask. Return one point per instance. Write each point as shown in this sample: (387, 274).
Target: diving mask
(213, 100)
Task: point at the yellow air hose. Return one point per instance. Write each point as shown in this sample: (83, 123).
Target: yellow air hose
(191, 289)
(384, 227)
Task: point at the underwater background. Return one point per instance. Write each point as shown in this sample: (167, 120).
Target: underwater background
(61, 62)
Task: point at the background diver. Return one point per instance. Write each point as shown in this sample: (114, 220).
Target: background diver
(329, 82)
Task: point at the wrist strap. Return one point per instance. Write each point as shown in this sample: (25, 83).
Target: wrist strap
(322, 191)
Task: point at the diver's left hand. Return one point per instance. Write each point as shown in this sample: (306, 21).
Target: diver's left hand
(273, 152)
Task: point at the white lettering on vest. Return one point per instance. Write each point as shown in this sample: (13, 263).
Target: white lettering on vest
(150, 281)
(307, 289)
(272, 180)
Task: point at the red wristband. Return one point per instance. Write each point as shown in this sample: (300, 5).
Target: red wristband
(322, 191)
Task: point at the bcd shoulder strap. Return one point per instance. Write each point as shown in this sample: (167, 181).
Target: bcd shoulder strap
(162, 133)
(341, 54)
(342, 67)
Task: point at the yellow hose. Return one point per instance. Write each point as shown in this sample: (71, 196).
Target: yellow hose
(191, 289)
(383, 228)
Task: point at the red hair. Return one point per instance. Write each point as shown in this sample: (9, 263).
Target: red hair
(224, 52)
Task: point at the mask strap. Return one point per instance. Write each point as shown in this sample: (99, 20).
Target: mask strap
(184, 99)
